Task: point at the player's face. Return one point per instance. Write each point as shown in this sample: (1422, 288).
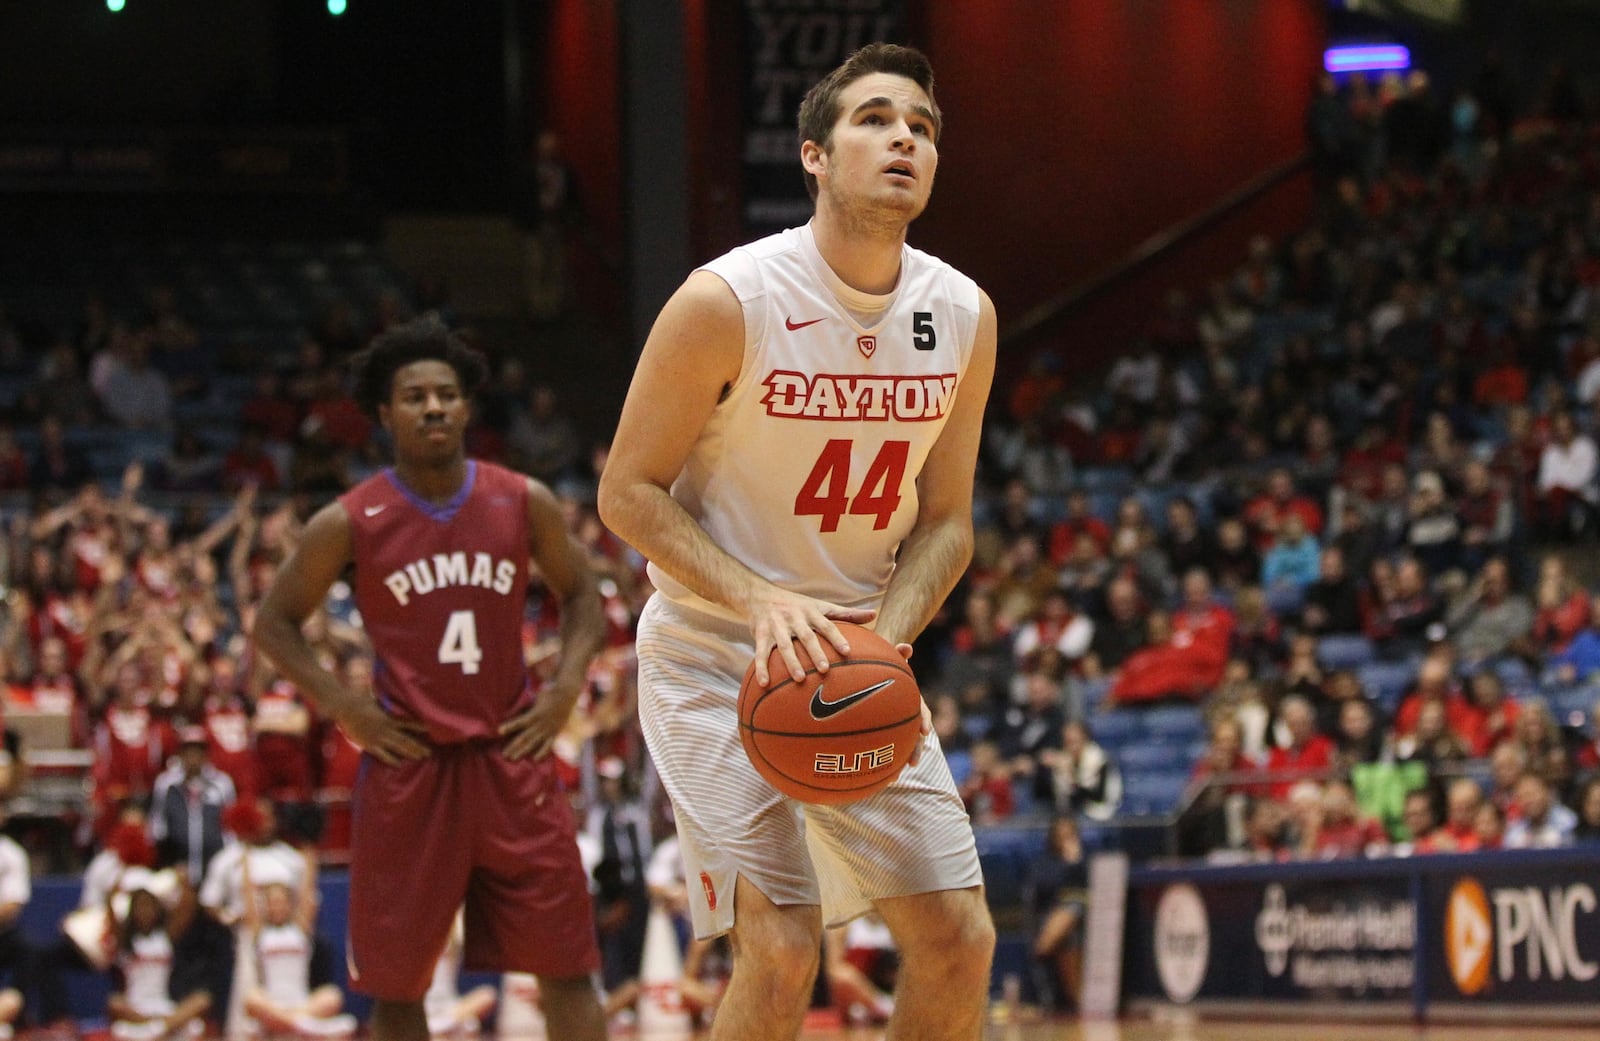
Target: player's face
(427, 412)
(882, 153)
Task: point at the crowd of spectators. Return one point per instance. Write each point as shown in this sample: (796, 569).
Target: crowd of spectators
(1342, 506)
(1371, 443)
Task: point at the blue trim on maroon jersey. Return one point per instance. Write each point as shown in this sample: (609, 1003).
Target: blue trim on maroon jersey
(448, 511)
(379, 671)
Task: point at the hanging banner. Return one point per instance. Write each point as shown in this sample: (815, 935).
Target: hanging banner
(790, 44)
(286, 160)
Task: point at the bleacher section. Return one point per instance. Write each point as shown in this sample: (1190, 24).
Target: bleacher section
(252, 301)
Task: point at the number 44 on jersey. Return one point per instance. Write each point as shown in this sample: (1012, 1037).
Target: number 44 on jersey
(826, 492)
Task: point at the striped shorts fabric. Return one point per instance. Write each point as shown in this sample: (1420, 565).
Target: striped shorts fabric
(912, 837)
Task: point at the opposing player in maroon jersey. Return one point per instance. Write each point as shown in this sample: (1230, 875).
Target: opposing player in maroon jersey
(458, 799)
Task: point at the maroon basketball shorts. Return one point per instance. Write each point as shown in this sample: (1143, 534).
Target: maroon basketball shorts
(466, 826)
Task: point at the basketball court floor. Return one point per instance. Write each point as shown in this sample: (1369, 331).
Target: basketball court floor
(1189, 1028)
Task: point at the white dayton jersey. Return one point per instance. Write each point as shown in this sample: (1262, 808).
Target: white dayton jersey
(806, 471)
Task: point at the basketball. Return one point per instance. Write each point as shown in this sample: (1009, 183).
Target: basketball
(837, 737)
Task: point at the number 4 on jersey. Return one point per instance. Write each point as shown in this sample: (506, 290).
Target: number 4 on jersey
(826, 491)
(460, 643)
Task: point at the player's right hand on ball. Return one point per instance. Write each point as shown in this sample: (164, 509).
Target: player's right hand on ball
(389, 740)
(795, 624)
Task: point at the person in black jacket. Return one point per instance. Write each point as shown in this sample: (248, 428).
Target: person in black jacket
(1058, 898)
(1333, 601)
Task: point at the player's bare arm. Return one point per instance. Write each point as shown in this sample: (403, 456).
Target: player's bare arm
(939, 546)
(583, 627)
(692, 355)
(320, 557)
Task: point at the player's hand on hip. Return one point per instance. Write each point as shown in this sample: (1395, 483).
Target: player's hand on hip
(389, 740)
(533, 731)
(780, 619)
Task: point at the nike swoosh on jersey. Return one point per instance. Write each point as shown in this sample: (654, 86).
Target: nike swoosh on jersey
(373, 511)
(823, 709)
(792, 325)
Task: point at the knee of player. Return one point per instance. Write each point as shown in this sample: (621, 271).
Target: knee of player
(783, 959)
(959, 942)
(567, 992)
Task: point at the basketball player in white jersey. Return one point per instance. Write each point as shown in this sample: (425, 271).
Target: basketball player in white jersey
(797, 449)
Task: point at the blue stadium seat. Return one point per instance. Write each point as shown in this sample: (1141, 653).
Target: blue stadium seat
(1153, 792)
(1515, 674)
(1174, 725)
(1340, 651)
(1140, 757)
(1096, 836)
(1114, 729)
(1155, 504)
(1022, 841)
(1573, 704)
(11, 388)
(1105, 478)
(1285, 599)
(1103, 504)
(1095, 691)
(1386, 682)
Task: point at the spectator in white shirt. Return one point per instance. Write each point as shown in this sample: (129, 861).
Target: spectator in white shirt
(253, 826)
(135, 393)
(1544, 823)
(1566, 485)
(16, 889)
(1137, 374)
(1055, 625)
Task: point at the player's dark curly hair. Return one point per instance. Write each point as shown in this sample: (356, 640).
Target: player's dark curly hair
(421, 339)
(819, 109)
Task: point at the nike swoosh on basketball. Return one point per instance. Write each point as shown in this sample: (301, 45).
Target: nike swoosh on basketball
(373, 511)
(823, 709)
(792, 325)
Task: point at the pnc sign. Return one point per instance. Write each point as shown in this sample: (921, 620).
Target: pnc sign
(1517, 933)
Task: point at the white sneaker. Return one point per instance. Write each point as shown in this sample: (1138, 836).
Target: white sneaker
(342, 1025)
(127, 1030)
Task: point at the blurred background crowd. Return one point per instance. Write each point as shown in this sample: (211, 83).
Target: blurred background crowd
(1307, 572)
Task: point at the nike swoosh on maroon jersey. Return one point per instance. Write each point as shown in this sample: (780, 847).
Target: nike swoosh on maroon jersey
(792, 325)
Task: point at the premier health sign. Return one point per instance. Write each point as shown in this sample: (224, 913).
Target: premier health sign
(1346, 939)
(1451, 933)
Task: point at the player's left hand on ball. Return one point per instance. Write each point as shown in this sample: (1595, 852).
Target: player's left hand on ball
(532, 732)
(795, 625)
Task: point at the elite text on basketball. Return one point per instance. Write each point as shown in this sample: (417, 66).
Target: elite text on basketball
(862, 762)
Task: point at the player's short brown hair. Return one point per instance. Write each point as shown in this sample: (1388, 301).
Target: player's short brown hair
(421, 339)
(819, 109)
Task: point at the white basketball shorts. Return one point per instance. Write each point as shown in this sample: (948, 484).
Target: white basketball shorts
(912, 837)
